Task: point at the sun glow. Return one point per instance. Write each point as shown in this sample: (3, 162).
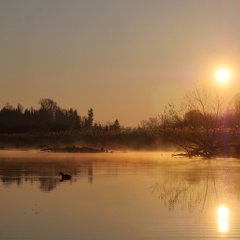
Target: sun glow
(222, 75)
(222, 219)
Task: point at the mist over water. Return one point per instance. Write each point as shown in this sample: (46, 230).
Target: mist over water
(134, 195)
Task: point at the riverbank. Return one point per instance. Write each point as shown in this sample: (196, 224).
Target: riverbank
(73, 149)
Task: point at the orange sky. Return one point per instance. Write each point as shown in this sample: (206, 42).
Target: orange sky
(125, 59)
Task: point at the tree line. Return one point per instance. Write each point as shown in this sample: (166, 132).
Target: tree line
(52, 126)
(48, 118)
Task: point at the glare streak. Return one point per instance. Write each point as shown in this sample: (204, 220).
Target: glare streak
(223, 219)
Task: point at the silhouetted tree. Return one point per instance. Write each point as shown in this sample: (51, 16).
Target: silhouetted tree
(20, 108)
(89, 120)
(49, 106)
(116, 126)
(197, 128)
(73, 119)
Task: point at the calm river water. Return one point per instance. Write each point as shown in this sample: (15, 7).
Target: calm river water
(120, 196)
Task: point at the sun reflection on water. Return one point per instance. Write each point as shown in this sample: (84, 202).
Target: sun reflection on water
(223, 219)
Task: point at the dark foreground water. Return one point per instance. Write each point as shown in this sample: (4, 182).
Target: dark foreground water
(123, 196)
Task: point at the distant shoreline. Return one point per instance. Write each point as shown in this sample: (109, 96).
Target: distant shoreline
(57, 149)
(73, 149)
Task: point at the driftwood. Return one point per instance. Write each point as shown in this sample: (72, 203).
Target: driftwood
(195, 153)
(224, 150)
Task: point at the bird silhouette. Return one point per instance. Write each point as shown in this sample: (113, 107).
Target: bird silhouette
(65, 176)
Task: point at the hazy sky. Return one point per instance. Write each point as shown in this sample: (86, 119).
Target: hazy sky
(125, 59)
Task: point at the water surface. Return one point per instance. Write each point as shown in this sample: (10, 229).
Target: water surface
(118, 196)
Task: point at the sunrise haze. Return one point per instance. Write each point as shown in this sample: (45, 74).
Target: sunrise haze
(124, 59)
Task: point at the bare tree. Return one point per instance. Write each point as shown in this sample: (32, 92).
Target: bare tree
(49, 106)
(197, 126)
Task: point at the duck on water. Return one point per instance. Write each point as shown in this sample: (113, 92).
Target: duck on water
(65, 176)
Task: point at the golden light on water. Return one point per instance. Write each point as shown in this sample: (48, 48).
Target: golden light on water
(222, 219)
(222, 75)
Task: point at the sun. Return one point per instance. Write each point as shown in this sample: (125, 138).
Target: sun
(222, 75)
